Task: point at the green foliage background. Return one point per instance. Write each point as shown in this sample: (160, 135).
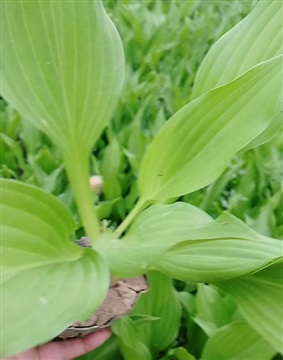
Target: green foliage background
(164, 42)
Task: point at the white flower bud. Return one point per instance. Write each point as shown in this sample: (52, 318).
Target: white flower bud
(96, 183)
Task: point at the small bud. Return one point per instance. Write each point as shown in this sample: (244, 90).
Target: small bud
(96, 183)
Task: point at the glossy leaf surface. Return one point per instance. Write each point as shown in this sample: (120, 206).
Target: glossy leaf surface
(47, 282)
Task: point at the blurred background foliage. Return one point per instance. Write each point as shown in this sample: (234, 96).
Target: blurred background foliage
(165, 42)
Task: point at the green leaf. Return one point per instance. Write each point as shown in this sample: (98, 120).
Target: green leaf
(31, 136)
(181, 353)
(259, 299)
(10, 121)
(188, 152)
(161, 222)
(12, 148)
(237, 341)
(185, 243)
(47, 282)
(154, 231)
(130, 341)
(161, 302)
(212, 310)
(104, 209)
(124, 260)
(187, 300)
(137, 144)
(226, 249)
(269, 133)
(63, 67)
(108, 350)
(111, 188)
(198, 249)
(111, 160)
(255, 39)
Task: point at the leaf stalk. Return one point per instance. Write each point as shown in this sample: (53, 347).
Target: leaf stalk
(139, 206)
(78, 174)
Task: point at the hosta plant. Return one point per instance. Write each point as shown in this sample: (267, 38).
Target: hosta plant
(63, 70)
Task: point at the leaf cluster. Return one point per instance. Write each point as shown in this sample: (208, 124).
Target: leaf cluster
(220, 113)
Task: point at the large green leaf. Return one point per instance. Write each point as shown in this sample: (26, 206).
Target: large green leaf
(195, 145)
(259, 298)
(185, 243)
(47, 282)
(216, 253)
(62, 68)
(255, 39)
(154, 231)
(237, 341)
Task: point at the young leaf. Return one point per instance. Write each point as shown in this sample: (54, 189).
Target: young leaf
(154, 231)
(183, 242)
(111, 161)
(162, 221)
(63, 67)
(188, 152)
(217, 259)
(108, 350)
(216, 253)
(47, 282)
(255, 39)
(130, 341)
(181, 353)
(237, 341)
(161, 302)
(259, 298)
(212, 312)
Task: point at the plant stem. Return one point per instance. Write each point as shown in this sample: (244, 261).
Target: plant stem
(139, 206)
(78, 174)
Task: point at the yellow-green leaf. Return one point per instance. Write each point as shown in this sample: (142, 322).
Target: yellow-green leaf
(47, 282)
(259, 299)
(255, 39)
(195, 145)
(62, 68)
